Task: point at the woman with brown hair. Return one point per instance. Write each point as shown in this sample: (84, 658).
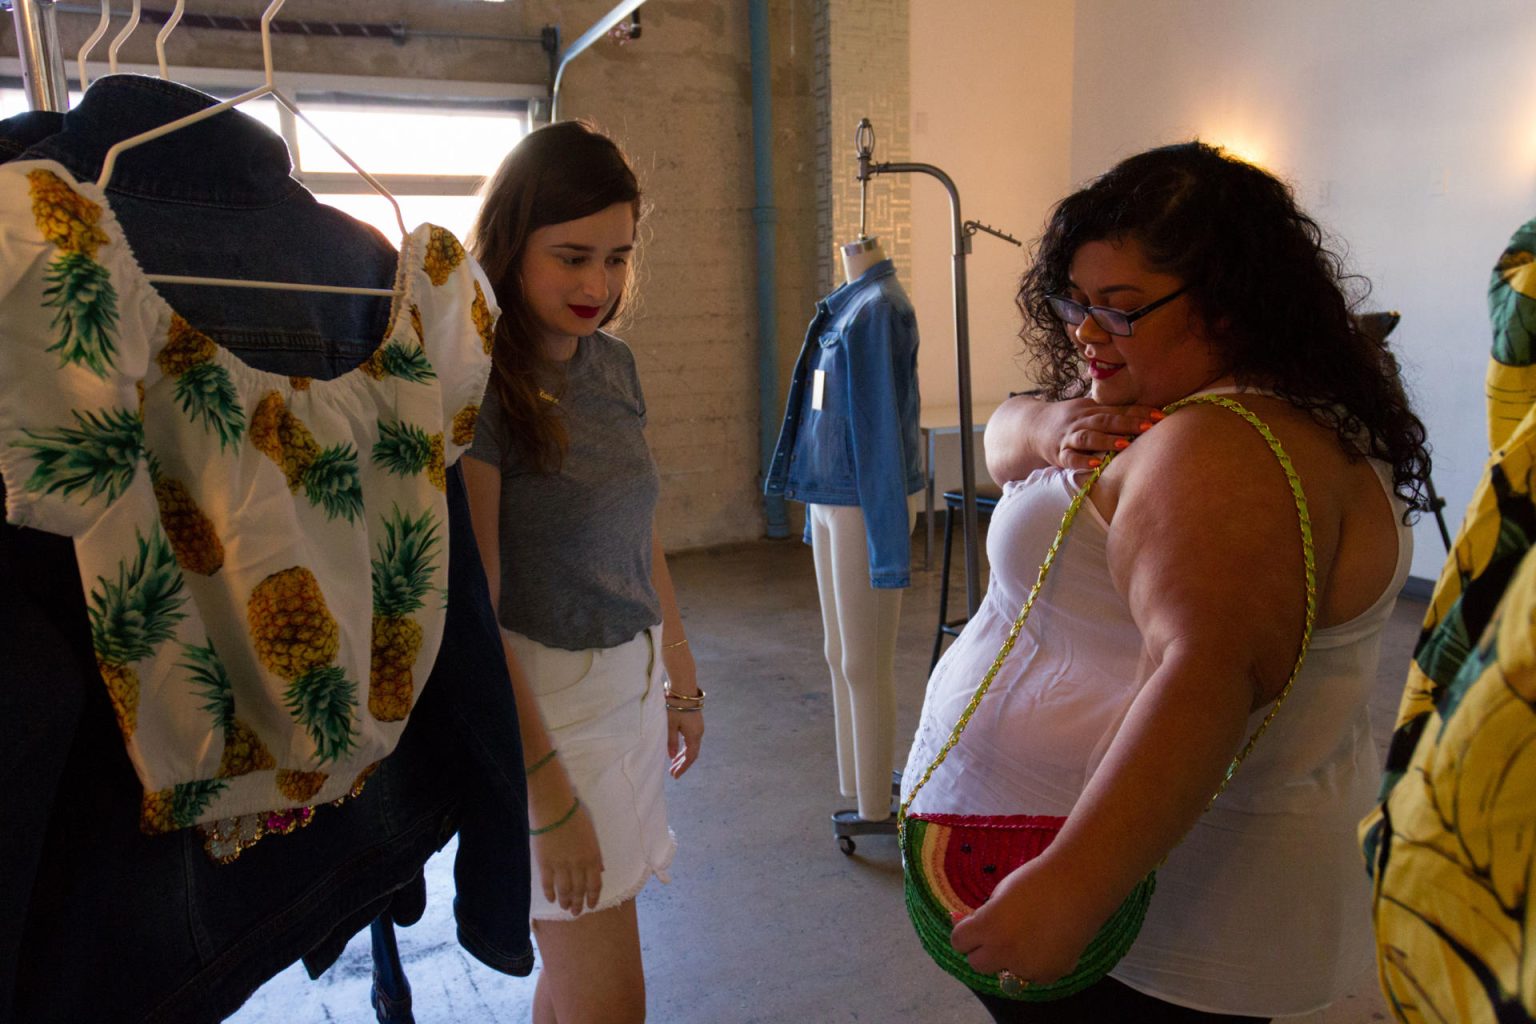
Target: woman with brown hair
(563, 493)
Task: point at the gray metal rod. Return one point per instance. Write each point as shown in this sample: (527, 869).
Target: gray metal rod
(962, 368)
(586, 39)
(398, 31)
(42, 64)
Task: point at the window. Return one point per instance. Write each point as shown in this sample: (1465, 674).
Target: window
(430, 143)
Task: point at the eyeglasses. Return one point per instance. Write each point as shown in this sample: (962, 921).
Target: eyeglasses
(1114, 321)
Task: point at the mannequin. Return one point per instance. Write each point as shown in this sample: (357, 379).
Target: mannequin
(860, 624)
(849, 451)
(859, 255)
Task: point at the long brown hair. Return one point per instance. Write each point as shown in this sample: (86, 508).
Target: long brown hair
(558, 173)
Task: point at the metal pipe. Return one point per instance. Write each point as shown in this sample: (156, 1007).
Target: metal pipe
(765, 217)
(962, 366)
(42, 63)
(399, 32)
(586, 39)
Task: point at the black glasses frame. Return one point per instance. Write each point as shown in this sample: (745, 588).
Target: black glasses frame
(1114, 321)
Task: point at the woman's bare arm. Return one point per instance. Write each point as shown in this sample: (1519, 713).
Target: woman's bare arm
(570, 863)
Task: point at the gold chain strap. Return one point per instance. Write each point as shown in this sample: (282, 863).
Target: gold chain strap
(1309, 564)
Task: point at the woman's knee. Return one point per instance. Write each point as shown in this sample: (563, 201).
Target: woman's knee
(592, 967)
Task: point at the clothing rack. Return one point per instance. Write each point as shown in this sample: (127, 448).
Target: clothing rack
(864, 144)
(601, 27)
(37, 44)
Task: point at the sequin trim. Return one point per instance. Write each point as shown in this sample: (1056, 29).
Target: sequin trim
(226, 839)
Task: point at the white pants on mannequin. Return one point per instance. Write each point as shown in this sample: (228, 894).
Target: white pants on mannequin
(861, 624)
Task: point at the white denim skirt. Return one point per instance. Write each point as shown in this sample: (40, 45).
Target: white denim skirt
(606, 715)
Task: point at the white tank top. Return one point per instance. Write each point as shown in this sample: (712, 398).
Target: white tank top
(1263, 909)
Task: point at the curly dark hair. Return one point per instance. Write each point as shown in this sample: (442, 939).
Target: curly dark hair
(558, 173)
(1261, 276)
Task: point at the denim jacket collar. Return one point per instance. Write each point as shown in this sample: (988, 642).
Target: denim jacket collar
(845, 293)
(20, 132)
(229, 160)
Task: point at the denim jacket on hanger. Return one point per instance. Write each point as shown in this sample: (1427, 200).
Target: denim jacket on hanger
(852, 438)
(99, 921)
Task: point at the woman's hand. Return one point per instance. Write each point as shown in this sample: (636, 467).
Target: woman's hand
(1032, 927)
(1027, 433)
(1076, 433)
(570, 863)
(685, 729)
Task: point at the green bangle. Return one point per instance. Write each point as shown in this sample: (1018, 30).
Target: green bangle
(575, 803)
(540, 763)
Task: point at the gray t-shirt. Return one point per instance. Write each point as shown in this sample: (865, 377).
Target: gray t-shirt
(576, 545)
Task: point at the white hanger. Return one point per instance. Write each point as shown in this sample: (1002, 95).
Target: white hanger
(122, 37)
(164, 34)
(268, 89)
(92, 40)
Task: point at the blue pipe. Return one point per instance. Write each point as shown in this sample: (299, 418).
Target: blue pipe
(765, 218)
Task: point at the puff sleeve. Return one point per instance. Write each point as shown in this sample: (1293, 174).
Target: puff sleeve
(73, 353)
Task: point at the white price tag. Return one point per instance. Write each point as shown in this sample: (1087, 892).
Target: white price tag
(818, 388)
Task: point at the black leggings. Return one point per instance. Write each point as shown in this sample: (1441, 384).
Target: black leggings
(1104, 1002)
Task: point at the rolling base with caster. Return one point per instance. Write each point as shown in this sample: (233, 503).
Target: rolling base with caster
(846, 824)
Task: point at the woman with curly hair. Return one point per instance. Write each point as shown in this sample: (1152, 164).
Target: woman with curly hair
(1171, 620)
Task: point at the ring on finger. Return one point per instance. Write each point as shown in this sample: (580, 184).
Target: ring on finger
(1010, 983)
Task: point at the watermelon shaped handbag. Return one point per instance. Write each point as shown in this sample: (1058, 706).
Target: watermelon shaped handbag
(953, 862)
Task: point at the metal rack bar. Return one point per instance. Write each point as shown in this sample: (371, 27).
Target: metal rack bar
(864, 142)
(42, 64)
(599, 29)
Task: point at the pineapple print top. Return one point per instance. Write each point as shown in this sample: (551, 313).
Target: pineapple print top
(263, 557)
(1453, 844)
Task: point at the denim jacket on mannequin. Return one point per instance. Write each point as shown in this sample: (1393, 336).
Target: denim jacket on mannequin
(856, 443)
(97, 920)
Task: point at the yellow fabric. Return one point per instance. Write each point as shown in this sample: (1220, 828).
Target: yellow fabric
(1453, 846)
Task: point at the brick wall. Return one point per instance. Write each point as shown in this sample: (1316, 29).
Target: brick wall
(864, 51)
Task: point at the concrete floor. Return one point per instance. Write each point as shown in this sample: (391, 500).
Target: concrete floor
(766, 922)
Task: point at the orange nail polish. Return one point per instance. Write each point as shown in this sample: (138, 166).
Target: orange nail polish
(1144, 426)
(1094, 463)
(1121, 444)
(1158, 414)
(957, 916)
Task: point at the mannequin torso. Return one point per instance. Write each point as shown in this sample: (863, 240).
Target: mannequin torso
(859, 255)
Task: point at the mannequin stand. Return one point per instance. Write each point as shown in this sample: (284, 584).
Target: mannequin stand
(846, 823)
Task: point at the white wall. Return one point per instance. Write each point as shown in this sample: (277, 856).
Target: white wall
(992, 106)
(1408, 129)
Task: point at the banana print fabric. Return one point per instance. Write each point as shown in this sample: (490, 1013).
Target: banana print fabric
(263, 557)
(1452, 849)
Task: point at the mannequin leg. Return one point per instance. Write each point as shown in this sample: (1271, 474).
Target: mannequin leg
(832, 644)
(864, 678)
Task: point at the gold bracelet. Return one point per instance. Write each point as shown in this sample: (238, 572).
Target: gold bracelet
(675, 643)
(696, 699)
(674, 707)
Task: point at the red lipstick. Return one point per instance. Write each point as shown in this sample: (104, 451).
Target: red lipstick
(586, 312)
